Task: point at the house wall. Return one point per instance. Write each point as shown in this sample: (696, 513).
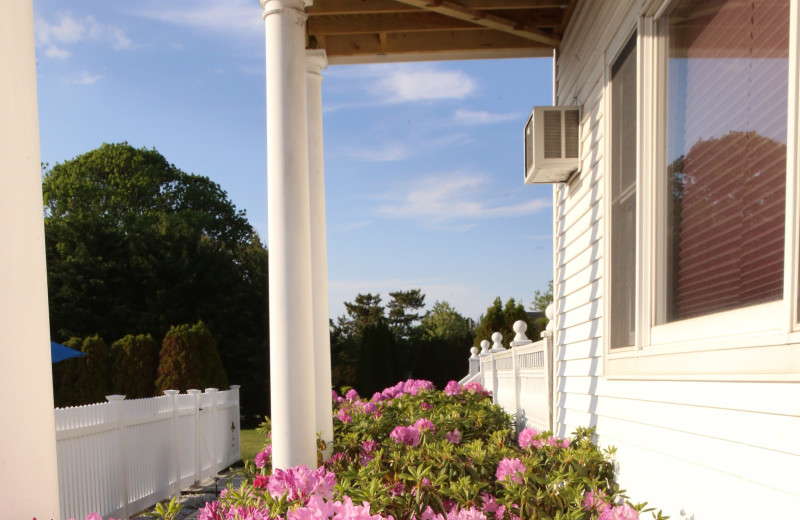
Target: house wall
(702, 449)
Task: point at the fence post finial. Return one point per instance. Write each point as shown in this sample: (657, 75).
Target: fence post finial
(548, 313)
(520, 338)
(497, 345)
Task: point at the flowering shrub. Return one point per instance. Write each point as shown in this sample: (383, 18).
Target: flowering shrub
(413, 453)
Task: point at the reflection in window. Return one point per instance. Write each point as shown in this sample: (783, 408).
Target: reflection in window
(726, 153)
(623, 197)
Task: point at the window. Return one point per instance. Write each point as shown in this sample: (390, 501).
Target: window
(702, 227)
(726, 106)
(623, 196)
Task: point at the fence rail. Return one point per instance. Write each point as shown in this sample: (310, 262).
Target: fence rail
(119, 457)
(520, 378)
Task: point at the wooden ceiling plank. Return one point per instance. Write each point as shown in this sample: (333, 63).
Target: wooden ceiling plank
(498, 23)
(331, 7)
(384, 22)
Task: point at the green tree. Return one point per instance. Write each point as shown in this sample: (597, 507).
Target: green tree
(365, 310)
(189, 359)
(499, 318)
(135, 245)
(444, 322)
(540, 302)
(134, 366)
(403, 312)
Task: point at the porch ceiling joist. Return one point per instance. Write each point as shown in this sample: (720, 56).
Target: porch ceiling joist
(364, 31)
(499, 23)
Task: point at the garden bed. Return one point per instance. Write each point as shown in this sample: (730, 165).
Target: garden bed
(414, 453)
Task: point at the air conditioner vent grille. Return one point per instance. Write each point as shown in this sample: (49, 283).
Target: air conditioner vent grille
(552, 135)
(571, 129)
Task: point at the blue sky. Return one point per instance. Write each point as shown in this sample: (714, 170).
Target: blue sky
(423, 161)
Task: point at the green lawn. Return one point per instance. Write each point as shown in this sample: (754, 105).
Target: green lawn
(252, 443)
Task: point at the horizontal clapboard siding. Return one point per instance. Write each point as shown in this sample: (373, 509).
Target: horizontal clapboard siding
(681, 445)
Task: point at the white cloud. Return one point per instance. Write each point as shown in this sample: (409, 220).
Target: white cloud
(84, 78)
(51, 51)
(442, 198)
(481, 117)
(413, 82)
(235, 17)
(388, 153)
(67, 30)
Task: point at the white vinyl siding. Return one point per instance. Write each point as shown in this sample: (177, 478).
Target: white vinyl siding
(688, 444)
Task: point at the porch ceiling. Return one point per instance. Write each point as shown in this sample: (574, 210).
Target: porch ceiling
(373, 31)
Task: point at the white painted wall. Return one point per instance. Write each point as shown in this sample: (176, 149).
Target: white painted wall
(28, 469)
(696, 449)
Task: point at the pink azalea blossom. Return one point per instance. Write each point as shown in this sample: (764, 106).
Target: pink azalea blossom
(623, 512)
(453, 436)
(526, 437)
(452, 388)
(264, 457)
(425, 425)
(408, 435)
(508, 470)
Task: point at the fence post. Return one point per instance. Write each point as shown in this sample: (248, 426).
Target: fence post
(549, 365)
(474, 361)
(214, 429)
(119, 411)
(197, 465)
(484, 352)
(176, 452)
(497, 346)
(519, 339)
(238, 433)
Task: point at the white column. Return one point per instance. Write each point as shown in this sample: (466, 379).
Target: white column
(28, 434)
(316, 61)
(289, 237)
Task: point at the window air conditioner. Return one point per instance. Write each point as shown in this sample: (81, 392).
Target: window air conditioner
(552, 144)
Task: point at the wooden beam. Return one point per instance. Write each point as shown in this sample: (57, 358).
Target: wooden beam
(499, 23)
(384, 22)
(394, 6)
(339, 47)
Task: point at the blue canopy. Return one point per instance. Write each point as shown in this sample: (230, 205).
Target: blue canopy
(59, 352)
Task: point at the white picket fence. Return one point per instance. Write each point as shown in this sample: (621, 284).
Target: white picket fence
(520, 378)
(120, 457)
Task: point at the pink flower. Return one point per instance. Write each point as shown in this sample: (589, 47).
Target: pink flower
(475, 388)
(597, 502)
(526, 437)
(452, 388)
(623, 512)
(369, 446)
(343, 416)
(408, 435)
(454, 436)
(425, 425)
(263, 457)
(508, 469)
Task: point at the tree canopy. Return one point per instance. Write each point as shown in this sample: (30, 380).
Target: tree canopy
(499, 318)
(135, 246)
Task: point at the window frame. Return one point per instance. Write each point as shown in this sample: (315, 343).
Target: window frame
(757, 342)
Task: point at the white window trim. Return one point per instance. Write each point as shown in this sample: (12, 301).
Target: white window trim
(759, 342)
